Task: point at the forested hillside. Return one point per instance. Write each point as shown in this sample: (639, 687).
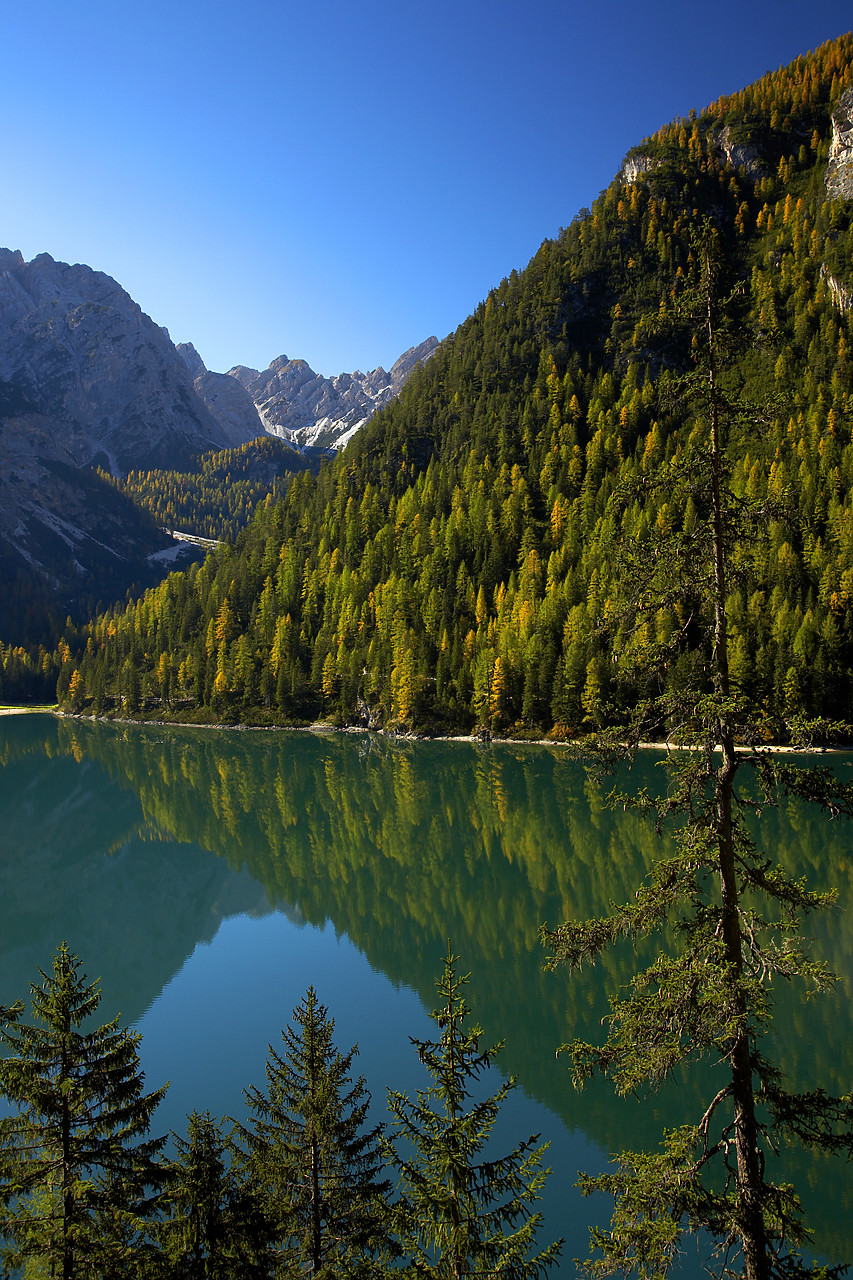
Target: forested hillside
(456, 566)
(218, 498)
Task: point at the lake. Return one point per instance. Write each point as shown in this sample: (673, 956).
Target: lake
(208, 876)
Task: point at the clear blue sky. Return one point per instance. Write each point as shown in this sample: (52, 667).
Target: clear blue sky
(335, 180)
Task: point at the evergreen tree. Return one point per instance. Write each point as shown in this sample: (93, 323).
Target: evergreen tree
(213, 1228)
(462, 1212)
(74, 1159)
(317, 1167)
(735, 916)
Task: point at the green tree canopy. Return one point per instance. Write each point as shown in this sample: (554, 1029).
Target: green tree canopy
(75, 1161)
(728, 919)
(316, 1163)
(461, 1211)
(212, 1226)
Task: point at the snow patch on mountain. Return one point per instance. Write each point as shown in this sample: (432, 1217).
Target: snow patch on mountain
(310, 411)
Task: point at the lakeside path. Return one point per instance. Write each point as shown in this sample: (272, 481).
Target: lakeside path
(6, 710)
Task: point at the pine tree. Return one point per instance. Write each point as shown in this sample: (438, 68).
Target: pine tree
(74, 1160)
(213, 1228)
(462, 1212)
(736, 917)
(317, 1167)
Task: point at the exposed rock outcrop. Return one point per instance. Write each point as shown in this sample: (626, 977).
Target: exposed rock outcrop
(636, 167)
(839, 171)
(740, 155)
(102, 372)
(226, 399)
(841, 295)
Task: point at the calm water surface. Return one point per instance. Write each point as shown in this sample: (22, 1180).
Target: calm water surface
(209, 876)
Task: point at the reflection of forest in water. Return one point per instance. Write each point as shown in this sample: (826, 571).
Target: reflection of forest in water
(401, 846)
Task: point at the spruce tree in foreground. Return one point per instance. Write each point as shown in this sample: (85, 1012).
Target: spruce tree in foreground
(74, 1159)
(212, 1228)
(316, 1166)
(736, 917)
(462, 1212)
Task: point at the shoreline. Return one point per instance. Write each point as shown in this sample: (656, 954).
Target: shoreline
(473, 739)
(10, 709)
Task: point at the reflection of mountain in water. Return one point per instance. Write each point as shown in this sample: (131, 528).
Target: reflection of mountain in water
(402, 846)
(79, 861)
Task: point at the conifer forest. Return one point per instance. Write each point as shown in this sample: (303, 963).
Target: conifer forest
(614, 510)
(454, 569)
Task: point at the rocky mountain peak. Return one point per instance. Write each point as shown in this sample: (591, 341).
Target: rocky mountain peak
(194, 362)
(243, 374)
(10, 259)
(407, 362)
(93, 364)
(226, 399)
(314, 412)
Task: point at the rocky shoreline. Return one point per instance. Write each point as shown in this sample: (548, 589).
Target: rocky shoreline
(323, 726)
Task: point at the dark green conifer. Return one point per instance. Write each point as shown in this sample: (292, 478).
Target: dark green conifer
(317, 1167)
(74, 1159)
(212, 1227)
(462, 1212)
(735, 916)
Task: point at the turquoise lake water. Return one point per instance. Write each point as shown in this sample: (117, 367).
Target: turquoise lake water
(207, 877)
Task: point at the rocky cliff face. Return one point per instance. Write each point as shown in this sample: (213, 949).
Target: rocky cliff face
(313, 412)
(636, 167)
(839, 172)
(91, 362)
(838, 291)
(740, 154)
(226, 399)
(85, 377)
(68, 539)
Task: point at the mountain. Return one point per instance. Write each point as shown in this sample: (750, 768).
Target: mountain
(88, 380)
(69, 542)
(91, 362)
(313, 412)
(458, 565)
(225, 398)
(85, 378)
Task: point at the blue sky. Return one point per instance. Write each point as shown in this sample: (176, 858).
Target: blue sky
(336, 181)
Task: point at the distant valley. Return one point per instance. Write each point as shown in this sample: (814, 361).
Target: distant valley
(87, 380)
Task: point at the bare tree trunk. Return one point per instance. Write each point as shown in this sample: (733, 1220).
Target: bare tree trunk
(317, 1234)
(316, 1221)
(67, 1173)
(749, 1174)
